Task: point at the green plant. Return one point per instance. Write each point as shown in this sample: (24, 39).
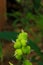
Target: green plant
(13, 35)
(22, 49)
(25, 18)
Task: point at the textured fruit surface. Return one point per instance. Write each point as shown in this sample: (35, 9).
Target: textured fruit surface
(26, 50)
(27, 62)
(23, 42)
(18, 53)
(22, 35)
(17, 45)
(18, 57)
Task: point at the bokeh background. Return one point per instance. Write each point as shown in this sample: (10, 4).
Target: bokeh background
(16, 15)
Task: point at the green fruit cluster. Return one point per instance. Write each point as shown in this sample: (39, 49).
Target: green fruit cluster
(27, 62)
(21, 40)
(21, 45)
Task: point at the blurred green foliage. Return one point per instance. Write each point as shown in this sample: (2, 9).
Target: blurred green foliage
(25, 18)
(13, 35)
(36, 4)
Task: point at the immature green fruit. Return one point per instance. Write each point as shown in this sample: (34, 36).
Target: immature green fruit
(25, 35)
(18, 54)
(23, 42)
(27, 62)
(18, 51)
(26, 50)
(17, 45)
(17, 40)
(22, 35)
(18, 57)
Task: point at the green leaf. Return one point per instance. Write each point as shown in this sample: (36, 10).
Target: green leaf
(35, 48)
(36, 4)
(8, 36)
(39, 21)
(29, 16)
(15, 22)
(36, 61)
(15, 14)
(40, 63)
